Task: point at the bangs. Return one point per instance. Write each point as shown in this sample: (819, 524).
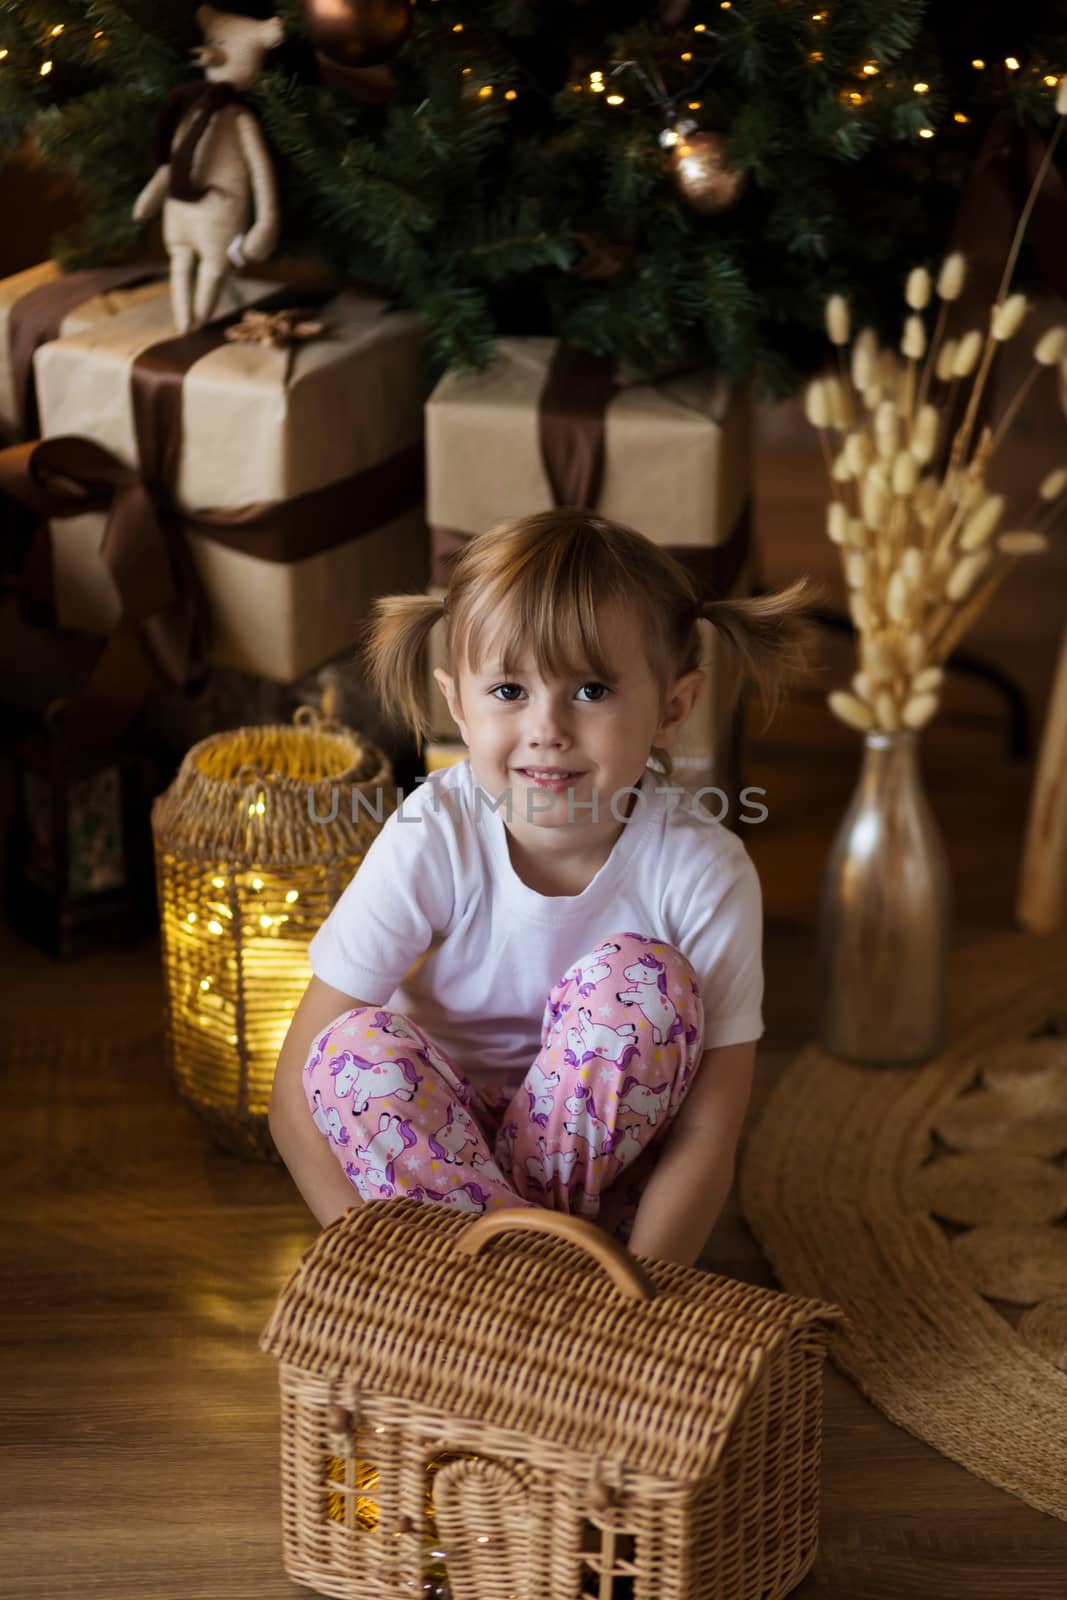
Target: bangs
(549, 617)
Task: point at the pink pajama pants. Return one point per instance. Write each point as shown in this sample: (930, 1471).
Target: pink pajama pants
(621, 1037)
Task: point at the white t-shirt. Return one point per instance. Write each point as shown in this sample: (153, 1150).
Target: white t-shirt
(439, 877)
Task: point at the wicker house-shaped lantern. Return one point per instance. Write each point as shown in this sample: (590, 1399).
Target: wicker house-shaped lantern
(255, 840)
(500, 1408)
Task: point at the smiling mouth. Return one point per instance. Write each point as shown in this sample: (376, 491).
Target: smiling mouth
(554, 773)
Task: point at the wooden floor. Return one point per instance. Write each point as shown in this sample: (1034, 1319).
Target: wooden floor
(140, 1426)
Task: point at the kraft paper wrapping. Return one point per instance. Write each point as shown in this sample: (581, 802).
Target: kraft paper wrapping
(354, 397)
(677, 467)
(95, 309)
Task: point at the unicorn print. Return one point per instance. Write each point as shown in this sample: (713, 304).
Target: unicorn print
(546, 1165)
(645, 1102)
(590, 1039)
(586, 976)
(628, 1146)
(469, 1197)
(457, 1131)
(552, 1019)
(355, 1177)
(329, 1122)
(394, 1135)
(541, 1093)
(582, 1122)
(649, 978)
(372, 1080)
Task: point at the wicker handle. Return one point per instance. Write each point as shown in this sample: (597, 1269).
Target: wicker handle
(630, 1279)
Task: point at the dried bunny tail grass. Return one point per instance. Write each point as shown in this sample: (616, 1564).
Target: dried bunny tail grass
(837, 522)
(817, 403)
(875, 498)
(915, 651)
(837, 319)
(898, 598)
(951, 277)
(924, 435)
(1049, 348)
(862, 686)
(858, 533)
(858, 452)
(905, 473)
(856, 569)
(946, 357)
(918, 710)
(967, 352)
(926, 681)
(886, 711)
(887, 428)
(864, 361)
(840, 471)
(917, 289)
(1022, 543)
(981, 525)
(913, 344)
(859, 611)
(835, 394)
(965, 573)
(911, 565)
(1007, 317)
(850, 710)
(1053, 484)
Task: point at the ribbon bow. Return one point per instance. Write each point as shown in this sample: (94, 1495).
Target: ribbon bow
(276, 328)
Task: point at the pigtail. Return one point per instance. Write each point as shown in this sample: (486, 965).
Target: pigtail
(394, 646)
(771, 636)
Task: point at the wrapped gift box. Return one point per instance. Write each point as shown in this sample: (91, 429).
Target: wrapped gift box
(44, 302)
(336, 416)
(676, 465)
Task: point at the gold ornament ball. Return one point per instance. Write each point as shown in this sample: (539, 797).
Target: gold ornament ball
(357, 33)
(701, 175)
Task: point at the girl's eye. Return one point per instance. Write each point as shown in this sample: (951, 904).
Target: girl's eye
(509, 700)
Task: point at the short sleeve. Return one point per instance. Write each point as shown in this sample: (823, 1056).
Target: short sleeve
(400, 896)
(724, 942)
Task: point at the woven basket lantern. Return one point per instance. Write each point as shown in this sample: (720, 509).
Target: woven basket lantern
(507, 1424)
(255, 840)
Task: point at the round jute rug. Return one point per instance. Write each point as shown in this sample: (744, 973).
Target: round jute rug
(930, 1203)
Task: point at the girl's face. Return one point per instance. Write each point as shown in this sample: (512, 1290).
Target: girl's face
(597, 732)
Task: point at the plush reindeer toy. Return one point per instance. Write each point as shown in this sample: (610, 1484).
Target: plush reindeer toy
(214, 179)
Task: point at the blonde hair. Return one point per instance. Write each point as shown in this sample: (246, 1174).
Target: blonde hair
(538, 581)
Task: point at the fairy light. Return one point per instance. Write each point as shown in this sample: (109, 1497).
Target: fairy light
(457, 27)
(615, 100)
(926, 133)
(978, 65)
(510, 94)
(597, 87)
(57, 30)
(46, 67)
(819, 16)
(694, 105)
(726, 5)
(921, 88)
(3, 55)
(1050, 80)
(485, 91)
(596, 77)
(686, 55)
(870, 68)
(815, 55)
(700, 27)
(1011, 63)
(959, 116)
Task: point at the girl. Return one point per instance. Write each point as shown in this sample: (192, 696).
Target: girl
(546, 975)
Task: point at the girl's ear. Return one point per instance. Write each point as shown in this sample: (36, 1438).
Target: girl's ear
(683, 696)
(447, 686)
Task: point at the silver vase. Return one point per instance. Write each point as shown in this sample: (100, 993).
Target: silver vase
(884, 916)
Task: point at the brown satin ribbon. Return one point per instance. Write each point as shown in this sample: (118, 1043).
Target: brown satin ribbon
(36, 317)
(578, 389)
